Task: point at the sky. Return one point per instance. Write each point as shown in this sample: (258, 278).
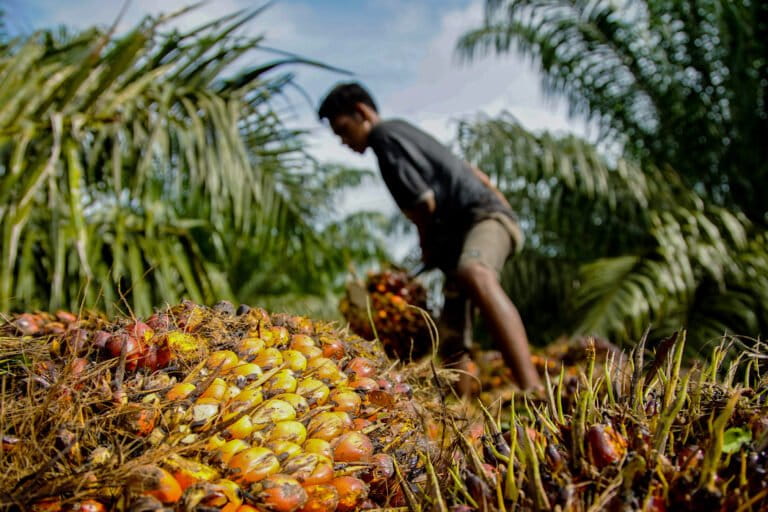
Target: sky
(403, 51)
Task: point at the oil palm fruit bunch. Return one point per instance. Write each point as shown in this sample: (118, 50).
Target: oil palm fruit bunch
(633, 433)
(198, 408)
(389, 305)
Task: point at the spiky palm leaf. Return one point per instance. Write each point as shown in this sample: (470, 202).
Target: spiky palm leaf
(678, 83)
(132, 168)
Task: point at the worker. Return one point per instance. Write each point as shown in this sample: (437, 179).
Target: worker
(466, 227)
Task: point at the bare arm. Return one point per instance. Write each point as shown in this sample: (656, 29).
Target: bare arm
(485, 180)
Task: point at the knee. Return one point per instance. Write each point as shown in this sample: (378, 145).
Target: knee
(475, 276)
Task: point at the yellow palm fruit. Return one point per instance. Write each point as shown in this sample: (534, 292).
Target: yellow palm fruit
(281, 382)
(183, 344)
(276, 336)
(318, 446)
(324, 369)
(248, 371)
(214, 443)
(289, 430)
(240, 429)
(218, 389)
(222, 360)
(225, 495)
(269, 358)
(180, 391)
(284, 449)
(253, 464)
(294, 360)
(246, 399)
(230, 449)
(314, 390)
(270, 412)
(250, 346)
(298, 402)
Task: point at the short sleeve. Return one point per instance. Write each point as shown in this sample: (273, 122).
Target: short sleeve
(403, 179)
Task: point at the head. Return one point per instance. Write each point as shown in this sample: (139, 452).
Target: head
(352, 114)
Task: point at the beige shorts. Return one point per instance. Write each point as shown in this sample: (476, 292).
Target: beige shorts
(490, 242)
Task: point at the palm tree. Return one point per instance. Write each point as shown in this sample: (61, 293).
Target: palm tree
(682, 84)
(137, 170)
(614, 247)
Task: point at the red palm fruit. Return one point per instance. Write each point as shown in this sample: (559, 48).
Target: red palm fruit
(134, 349)
(139, 330)
(281, 493)
(605, 445)
(28, 324)
(352, 491)
(361, 423)
(159, 322)
(360, 367)
(157, 482)
(320, 498)
(155, 357)
(65, 317)
(332, 347)
(363, 384)
(382, 469)
(352, 447)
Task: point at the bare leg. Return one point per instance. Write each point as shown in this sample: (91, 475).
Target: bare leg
(503, 320)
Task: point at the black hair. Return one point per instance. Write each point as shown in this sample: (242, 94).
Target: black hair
(342, 100)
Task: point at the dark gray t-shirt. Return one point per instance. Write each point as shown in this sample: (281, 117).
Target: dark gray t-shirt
(412, 163)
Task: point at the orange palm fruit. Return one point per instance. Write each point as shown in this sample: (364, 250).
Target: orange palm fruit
(309, 469)
(320, 498)
(352, 447)
(281, 493)
(217, 389)
(250, 346)
(352, 491)
(329, 425)
(323, 368)
(345, 400)
(157, 482)
(253, 464)
(269, 358)
(222, 360)
(360, 367)
(319, 447)
(314, 390)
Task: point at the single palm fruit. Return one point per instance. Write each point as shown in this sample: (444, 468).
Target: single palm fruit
(289, 430)
(360, 367)
(240, 429)
(320, 498)
(270, 412)
(250, 346)
(222, 360)
(309, 469)
(281, 382)
(605, 445)
(294, 360)
(284, 449)
(352, 491)
(314, 390)
(253, 464)
(329, 425)
(224, 495)
(298, 402)
(155, 481)
(345, 400)
(180, 391)
(189, 472)
(269, 358)
(247, 371)
(218, 389)
(300, 342)
(183, 344)
(363, 384)
(324, 369)
(230, 449)
(247, 398)
(318, 447)
(352, 447)
(332, 347)
(276, 336)
(281, 493)
(205, 410)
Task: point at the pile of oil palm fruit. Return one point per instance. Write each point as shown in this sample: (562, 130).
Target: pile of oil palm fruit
(200, 408)
(203, 409)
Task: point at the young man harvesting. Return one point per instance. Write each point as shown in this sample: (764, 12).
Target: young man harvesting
(466, 227)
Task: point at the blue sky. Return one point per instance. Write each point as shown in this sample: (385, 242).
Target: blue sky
(402, 50)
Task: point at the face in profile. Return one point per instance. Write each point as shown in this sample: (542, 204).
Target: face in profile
(353, 131)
